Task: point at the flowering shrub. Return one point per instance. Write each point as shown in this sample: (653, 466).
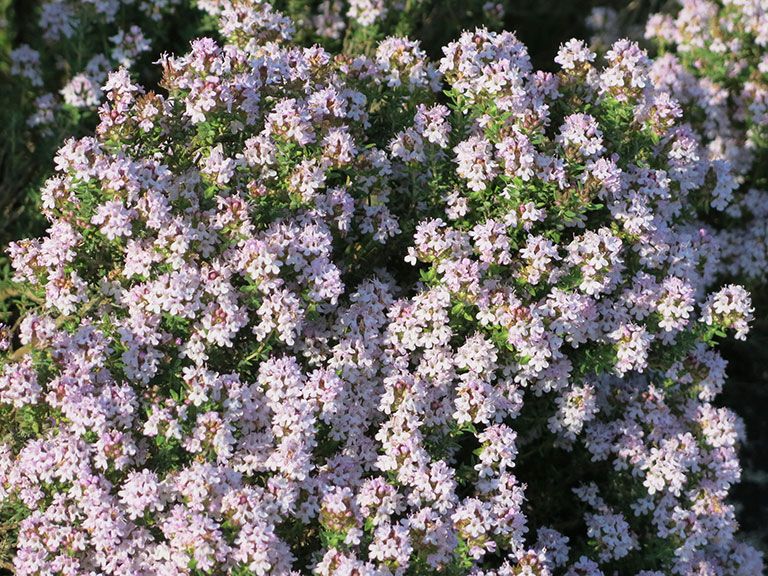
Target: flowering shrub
(565, 258)
(302, 315)
(713, 61)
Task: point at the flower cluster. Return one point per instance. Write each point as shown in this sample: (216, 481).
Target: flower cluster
(300, 316)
